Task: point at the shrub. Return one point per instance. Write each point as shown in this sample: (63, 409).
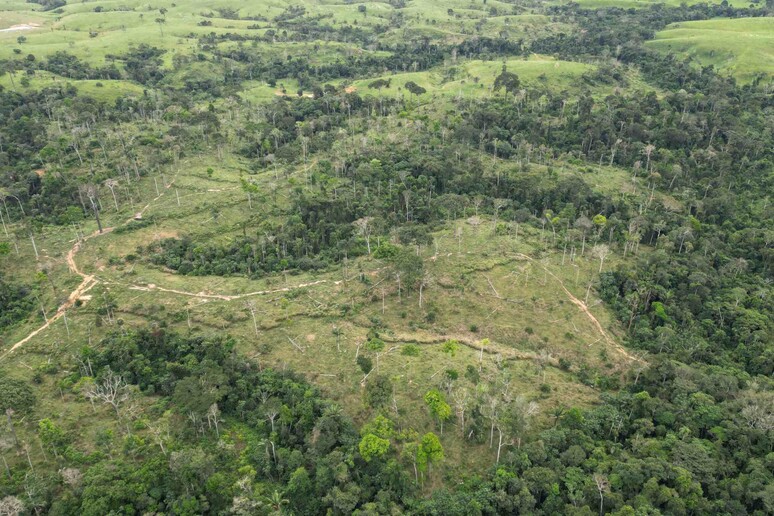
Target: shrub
(365, 363)
(410, 350)
(15, 394)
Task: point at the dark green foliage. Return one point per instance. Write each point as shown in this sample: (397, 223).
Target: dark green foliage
(378, 391)
(251, 257)
(277, 414)
(408, 267)
(365, 364)
(143, 64)
(410, 350)
(49, 5)
(15, 394)
(16, 303)
(414, 88)
(665, 456)
(508, 81)
(689, 433)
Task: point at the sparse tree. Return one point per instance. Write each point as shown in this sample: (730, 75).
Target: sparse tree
(603, 486)
(112, 389)
(112, 184)
(92, 194)
(438, 407)
(601, 252)
(365, 227)
(161, 21)
(584, 225)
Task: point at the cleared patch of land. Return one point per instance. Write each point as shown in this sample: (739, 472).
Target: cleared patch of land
(641, 4)
(743, 47)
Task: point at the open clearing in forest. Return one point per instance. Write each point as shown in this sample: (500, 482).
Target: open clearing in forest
(743, 47)
(643, 4)
(97, 32)
(515, 305)
(509, 289)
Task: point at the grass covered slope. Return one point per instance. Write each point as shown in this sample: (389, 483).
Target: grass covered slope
(644, 4)
(742, 47)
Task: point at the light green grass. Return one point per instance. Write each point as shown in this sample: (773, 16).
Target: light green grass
(106, 91)
(475, 78)
(122, 23)
(743, 47)
(640, 4)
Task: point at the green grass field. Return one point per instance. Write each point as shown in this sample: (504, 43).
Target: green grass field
(475, 78)
(743, 47)
(640, 4)
(117, 24)
(106, 91)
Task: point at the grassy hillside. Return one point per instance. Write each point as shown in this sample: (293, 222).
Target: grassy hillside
(742, 47)
(644, 4)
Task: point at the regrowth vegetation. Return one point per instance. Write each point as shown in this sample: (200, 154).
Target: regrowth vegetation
(383, 257)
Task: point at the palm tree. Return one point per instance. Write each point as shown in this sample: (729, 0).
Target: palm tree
(276, 502)
(161, 22)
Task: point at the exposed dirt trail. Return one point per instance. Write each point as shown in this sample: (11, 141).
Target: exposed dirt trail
(226, 297)
(492, 348)
(577, 302)
(585, 309)
(22, 26)
(88, 280)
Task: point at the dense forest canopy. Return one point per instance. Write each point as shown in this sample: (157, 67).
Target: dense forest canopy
(499, 257)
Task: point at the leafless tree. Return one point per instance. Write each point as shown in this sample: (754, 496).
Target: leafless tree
(71, 476)
(160, 432)
(213, 418)
(251, 308)
(601, 252)
(112, 184)
(684, 234)
(364, 227)
(92, 193)
(461, 400)
(11, 506)
(648, 150)
(112, 390)
(426, 279)
(603, 486)
(9, 415)
(477, 202)
(584, 225)
(614, 149)
(271, 410)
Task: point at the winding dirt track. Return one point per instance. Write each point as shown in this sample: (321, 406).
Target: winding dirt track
(89, 281)
(585, 309)
(225, 297)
